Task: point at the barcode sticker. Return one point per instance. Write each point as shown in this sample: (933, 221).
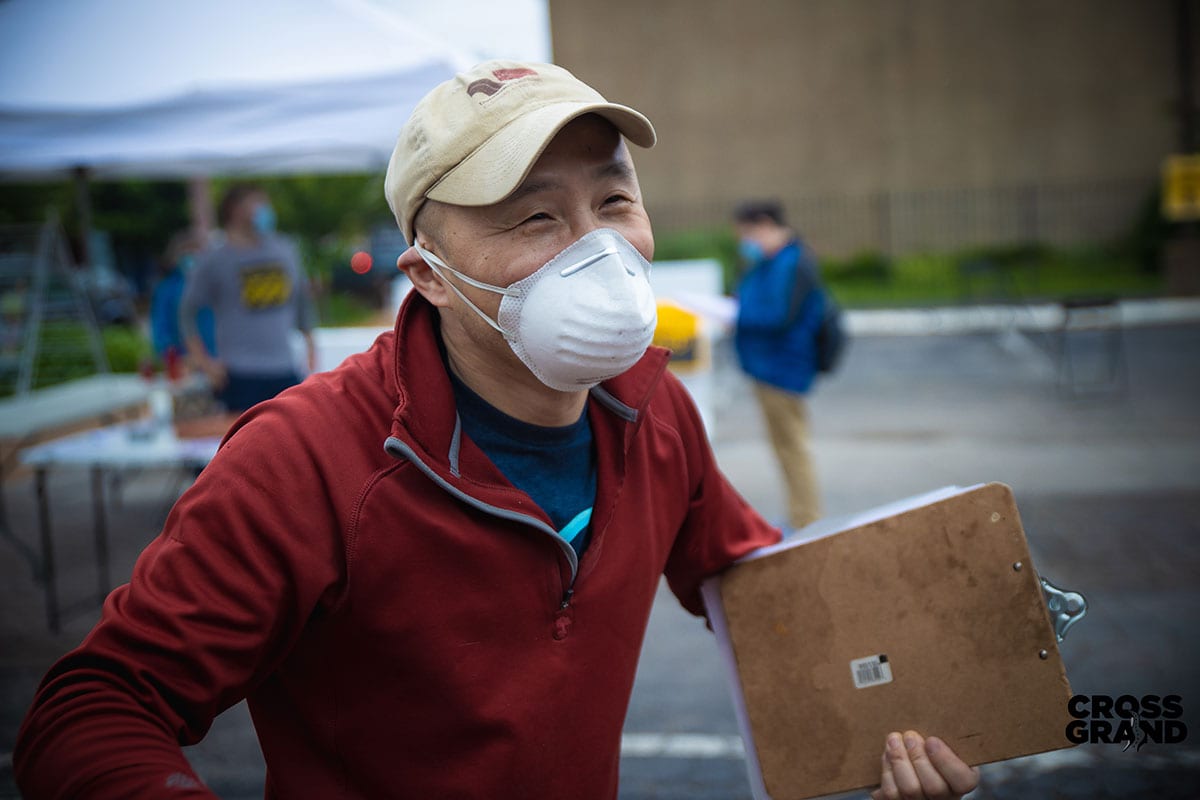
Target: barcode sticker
(871, 671)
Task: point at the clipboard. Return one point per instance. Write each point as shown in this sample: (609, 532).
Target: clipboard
(925, 614)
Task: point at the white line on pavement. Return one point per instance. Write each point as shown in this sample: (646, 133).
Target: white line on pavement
(681, 745)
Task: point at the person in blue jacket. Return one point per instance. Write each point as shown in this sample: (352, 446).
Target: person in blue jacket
(779, 314)
(165, 332)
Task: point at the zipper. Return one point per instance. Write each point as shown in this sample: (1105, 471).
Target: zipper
(398, 449)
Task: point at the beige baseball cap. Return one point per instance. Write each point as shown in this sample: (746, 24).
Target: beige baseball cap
(473, 139)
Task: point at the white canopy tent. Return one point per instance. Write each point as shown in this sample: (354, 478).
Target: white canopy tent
(347, 125)
(185, 89)
(194, 88)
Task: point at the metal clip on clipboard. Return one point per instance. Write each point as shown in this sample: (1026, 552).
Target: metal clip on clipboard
(1066, 607)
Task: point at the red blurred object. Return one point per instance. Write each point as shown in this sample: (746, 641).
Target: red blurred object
(146, 369)
(360, 262)
(174, 364)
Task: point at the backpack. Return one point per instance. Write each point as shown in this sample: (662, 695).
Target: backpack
(831, 335)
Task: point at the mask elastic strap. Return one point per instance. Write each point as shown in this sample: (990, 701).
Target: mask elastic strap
(487, 287)
(437, 265)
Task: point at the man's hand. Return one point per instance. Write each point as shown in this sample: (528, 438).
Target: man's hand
(915, 768)
(214, 370)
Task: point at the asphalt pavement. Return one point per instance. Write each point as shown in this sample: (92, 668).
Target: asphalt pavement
(1103, 458)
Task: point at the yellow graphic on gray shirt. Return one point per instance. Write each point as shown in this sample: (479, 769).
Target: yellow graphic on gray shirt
(265, 286)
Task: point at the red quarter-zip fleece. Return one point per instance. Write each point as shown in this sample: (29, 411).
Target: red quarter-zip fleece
(402, 620)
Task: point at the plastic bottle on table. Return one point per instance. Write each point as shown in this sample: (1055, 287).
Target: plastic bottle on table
(162, 412)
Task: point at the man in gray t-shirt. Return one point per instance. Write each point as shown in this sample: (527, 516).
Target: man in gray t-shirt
(258, 294)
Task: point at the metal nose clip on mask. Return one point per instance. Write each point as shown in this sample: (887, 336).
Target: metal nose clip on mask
(585, 316)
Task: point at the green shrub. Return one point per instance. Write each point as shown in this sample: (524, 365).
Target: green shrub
(1006, 254)
(1020, 272)
(868, 266)
(65, 354)
(126, 347)
(340, 309)
(719, 243)
(1149, 234)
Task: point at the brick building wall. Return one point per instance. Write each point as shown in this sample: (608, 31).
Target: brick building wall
(892, 124)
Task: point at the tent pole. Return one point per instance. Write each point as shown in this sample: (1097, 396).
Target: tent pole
(200, 207)
(83, 205)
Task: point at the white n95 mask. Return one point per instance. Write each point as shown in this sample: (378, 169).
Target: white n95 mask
(585, 316)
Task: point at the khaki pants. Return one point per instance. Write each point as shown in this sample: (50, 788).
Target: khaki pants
(787, 424)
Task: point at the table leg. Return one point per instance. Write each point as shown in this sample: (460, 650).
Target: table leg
(49, 570)
(3, 507)
(100, 522)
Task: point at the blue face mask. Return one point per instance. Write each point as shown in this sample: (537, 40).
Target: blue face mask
(185, 263)
(264, 218)
(750, 251)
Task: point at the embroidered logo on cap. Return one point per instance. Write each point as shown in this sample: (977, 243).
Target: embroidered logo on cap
(490, 87)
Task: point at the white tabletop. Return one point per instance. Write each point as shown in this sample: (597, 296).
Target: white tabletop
(128, 444)
(43, 410)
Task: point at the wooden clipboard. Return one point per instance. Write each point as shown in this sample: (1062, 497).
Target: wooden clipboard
(941, 589)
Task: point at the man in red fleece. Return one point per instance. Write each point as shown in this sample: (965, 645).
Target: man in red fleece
(429, 571)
